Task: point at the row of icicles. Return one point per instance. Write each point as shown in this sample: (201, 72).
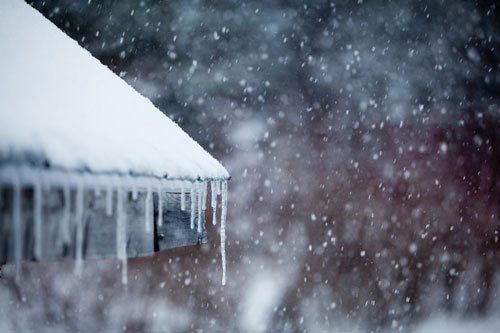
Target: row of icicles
(197, 191)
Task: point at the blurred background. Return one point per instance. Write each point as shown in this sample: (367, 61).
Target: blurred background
(363, 140)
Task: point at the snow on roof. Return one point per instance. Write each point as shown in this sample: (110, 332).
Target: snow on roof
(60, 106)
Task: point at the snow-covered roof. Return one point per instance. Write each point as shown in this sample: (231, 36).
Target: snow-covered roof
(59, 106)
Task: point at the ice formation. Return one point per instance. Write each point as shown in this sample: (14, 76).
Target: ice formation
(121, 234)
(223, 230)
(214, 201)
(183, 198)
(65, 222)
(200, 200)
(18, 179)
(134, 190)
(192, 196)
(38, 216)
(17, 227)
(79, 228)
(160, 208)
(147, 209)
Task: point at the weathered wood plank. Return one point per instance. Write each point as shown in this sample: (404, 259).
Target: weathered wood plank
(176, 230)
(100, 229)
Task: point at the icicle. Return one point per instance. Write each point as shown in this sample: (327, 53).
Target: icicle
(183, 198)
(79, 229)
(17, 227)
(204, 197)
(147, 210)
(218, 188)
(121, 234)
(192, 197)
(160, 208)
(200, 200)
(38, 212)
(204, 203)
(66, 215)
(134, 190)
(223, 230)
(97, 191)
(109, 201)
(214, 201)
